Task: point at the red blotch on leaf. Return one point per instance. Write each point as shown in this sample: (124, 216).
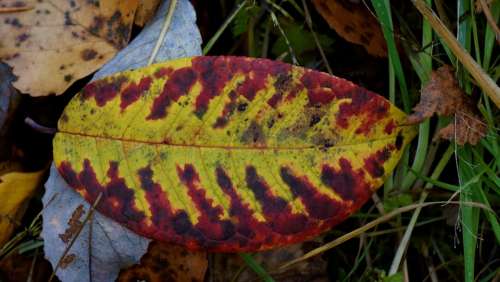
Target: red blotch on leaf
(209, 222)
(103, 91)
(276, 210)
(374, 164)
(118, 200)
(177, 85)
(134, 91)
(349, 184)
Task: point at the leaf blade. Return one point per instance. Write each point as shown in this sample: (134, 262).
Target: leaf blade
(228, 153)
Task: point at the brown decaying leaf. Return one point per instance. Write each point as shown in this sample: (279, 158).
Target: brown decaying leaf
(167, 262)
(145, 11)
(59, 41)
(466, 128)
(443, 96)
(355, 23)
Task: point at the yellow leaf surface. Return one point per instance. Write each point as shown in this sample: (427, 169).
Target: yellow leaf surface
(16, 188)
(228, 153)
(52, 43)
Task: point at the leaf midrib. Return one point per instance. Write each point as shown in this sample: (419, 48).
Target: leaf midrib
(393, 136)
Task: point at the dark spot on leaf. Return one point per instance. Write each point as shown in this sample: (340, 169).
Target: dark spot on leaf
(88, 54)
(365, 39)
(21, 38)
(96, 25)
(242, 107)
(253, 134)
(399, 141)
(390, 126)
(67, 18)
(314, 120)
(348, 28)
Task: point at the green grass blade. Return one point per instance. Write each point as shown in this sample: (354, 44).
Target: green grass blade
(489, 37)
(382, 9)
(489, 214)
(256, 267)
(469, 215)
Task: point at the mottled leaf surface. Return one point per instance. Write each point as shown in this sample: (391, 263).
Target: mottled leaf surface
(228, 153)
(52, 43)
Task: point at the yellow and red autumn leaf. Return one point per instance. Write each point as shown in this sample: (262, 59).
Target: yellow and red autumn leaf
(228, 153)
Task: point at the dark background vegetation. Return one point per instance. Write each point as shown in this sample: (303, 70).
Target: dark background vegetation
(437, 241)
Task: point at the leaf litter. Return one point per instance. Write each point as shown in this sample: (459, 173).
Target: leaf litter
(355, 23)
(443, 96)
(167, 262)
(53, 43)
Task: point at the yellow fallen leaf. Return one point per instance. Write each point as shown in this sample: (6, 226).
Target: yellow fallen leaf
(55, 43)
(15, 189)
(228, 154)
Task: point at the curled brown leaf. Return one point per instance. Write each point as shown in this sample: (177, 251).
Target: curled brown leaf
(355, 23)
(443, 96)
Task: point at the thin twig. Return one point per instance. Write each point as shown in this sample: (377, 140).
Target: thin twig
(91, 224)
(40, 128)
(73, 240)
(489, 18)
(370, 225)
(316, 40)
(15, 9)
(32, 267)
(277, 24)
(378, 203)
(217, 34)
(405, 240)
(163, 32)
